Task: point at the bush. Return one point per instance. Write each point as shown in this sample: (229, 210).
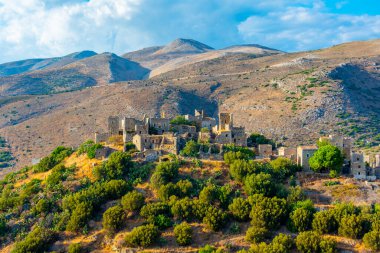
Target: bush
(259, 184)
(114, 218)
(3, 225)
(80, 216)
(184, 188)
(352, 226)
(57, 156)
(209, 249)
(283, 167)
(183, 233)
(166, 191)
(182, 209)
(75, 248)
(308, 242)
(42, 206)
(36, 241)
(161, 221)
(324, 222)
(256, 234)
(142, 236)
(240, 209)
(255, 139)
(215, 218)
(89, 147)
(154, 209)
(191, 149)
(281, 244)
(328, 245)
(133, 201)
(114, 189)
(181, 120)
(164, 173)
(231, 156)
(270, 211)
(209, 194)
(372, 240)
(301, 219)
(116, 167)
(326, 158)
(295, 194)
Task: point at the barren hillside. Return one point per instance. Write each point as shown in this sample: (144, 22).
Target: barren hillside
(292, 98)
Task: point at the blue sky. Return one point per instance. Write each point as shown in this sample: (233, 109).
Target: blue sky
(46, 28)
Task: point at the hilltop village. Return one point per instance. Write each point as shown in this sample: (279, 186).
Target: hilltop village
(157, 137)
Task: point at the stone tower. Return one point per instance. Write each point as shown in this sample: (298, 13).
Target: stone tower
(113, 125)
(225, 122)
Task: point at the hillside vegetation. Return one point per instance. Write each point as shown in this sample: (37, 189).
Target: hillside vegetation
(71, 202)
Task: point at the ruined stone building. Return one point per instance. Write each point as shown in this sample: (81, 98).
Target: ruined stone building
(226, 133)
(304, 153)
(288, 152)
(156, 136)
(265, 150)
(341, 142)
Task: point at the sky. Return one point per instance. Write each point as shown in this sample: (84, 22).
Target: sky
(48, 28)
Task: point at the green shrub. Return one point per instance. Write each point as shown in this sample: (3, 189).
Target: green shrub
(281, 244)
(215, 218)
(240, 209)
(37, 240)
(295, 194)
(165, 172)
(308, 242)
(255, 139)
(182, 209)
(256, 234)
(80, 216)
(151, 210)
(3, 225)
(75, 248)
(42, 206)
(270, 211)
(89, 147)
(301, 219)
(210, 249)
(259, 184)
(352, 226)
(116, 167)
(142, 236)
(324, 222)
(57, 156)
(184, 188)
(114, 218)
(209, 194)
(166, 191)
(161, 221)
(326, 158)
(191, 149)
(372, 240)
(283, 167)
(133, 201)
(183, 233)
(327, 245)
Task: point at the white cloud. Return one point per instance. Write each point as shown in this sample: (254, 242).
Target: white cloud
(304, 28)
(46, 28)
(30, 28)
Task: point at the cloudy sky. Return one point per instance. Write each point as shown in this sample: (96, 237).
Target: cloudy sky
(46, 28)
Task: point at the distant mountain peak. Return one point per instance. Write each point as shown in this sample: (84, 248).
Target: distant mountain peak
(184, 46)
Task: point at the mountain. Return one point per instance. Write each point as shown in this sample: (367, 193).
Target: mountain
(153, 57)
(252, 50)
(99, 69)
(19, 67)
(292, 98)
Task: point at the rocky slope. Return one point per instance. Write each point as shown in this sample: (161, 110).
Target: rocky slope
(19, 67)
(99, 69)
(292, 98)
